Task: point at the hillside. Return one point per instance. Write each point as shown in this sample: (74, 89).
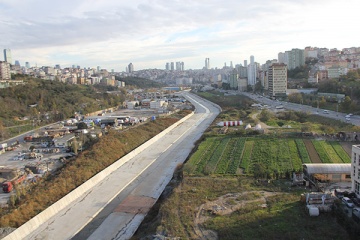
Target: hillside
(139, 82)
(52, 100)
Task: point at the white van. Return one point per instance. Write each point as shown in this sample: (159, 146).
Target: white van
(326, 111)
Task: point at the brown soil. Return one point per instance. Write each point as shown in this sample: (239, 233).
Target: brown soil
(314, 157)
(347, 146)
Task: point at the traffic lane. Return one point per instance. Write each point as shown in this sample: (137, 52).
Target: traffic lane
(355, 119)
(122, 220)
(67, 223)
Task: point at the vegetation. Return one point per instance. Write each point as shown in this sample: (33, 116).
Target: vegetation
(266, 156)
(89, 162)
(139, 82)
(38, 102)
(283, 217)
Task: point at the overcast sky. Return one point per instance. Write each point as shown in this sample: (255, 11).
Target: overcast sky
(149, 33)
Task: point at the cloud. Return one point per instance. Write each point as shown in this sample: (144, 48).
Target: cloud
(151, 32)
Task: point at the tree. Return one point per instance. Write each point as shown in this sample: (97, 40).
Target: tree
(265, 115)
(322, 102)
(82, 125)
(346, 103)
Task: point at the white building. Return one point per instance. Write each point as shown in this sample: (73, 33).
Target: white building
(252, 72)
(355, 170)
(5, 71)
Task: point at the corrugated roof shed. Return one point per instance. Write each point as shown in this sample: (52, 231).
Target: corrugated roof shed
(327, 168)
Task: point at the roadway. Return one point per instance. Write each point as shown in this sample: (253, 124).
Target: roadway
(354, 119)
(115, 207)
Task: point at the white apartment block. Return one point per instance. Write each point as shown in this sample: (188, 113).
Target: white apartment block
(277, 80)
(5, 71)
(355, 170)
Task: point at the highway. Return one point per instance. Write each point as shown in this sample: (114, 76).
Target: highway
(115, 207)
(354, 119)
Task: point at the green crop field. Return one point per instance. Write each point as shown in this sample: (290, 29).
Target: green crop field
(277, 156)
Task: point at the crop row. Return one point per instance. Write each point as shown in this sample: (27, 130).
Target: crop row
(296, 161)
(275, 157)
(341, 152)
(302, 151)
(237, 156)
(334, 157)
(321, 151)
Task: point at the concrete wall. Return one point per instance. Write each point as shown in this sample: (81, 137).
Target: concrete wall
(51, 211)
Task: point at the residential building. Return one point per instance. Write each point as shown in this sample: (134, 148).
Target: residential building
(355, 170)
(7, 56)
(131, 68)
(333, 72)
(5, 71)
(251, 72)
(207, 63)
(233, 80)
(167, 66)
(293, 59)
(277, 80)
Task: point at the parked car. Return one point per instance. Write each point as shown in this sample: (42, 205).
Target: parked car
(347, 201)
(356, 201)
(356, 214)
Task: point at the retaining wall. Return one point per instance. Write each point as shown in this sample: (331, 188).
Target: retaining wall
(24, 230)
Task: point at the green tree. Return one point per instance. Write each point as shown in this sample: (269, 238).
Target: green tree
(346, 103)
(265, 115)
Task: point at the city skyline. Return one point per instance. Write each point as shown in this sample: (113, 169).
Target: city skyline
(150, 33)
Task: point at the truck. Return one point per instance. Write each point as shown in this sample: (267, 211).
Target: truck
(8, 186)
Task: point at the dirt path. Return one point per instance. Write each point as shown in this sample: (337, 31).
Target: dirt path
(263, 125)
(314, 157)
(347, 146)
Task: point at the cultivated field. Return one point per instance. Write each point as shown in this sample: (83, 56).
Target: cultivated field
(279, 156)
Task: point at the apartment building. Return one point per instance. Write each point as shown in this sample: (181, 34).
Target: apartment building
(5, 71)
(355, 170)
(277, 80)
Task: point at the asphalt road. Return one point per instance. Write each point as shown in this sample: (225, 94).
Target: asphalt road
(115, 207)
(354, 119)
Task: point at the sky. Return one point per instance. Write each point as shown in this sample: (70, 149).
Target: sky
(149, 33)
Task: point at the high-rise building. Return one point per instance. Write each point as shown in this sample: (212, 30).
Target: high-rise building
(131, 68)
(7, 56)
(182, 66)
(167, 66)
(207, 63)
(5, 71)
(293, 59)
(178, 66)
(27, 64)
(355, 168)
(277, 80)
(252, 72)
(172, 67)
(17, 63)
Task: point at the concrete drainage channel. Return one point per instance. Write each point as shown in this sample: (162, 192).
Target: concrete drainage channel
(30, 226)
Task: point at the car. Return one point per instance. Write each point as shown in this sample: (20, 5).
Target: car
(347, 201)
(348, 119)
(326, 111)
(356, 201)
(356, 214)
(350, 114)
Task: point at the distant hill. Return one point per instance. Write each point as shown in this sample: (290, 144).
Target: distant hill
(140, 82)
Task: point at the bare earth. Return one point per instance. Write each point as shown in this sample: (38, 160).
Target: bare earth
(314, 157)
(225, 205)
